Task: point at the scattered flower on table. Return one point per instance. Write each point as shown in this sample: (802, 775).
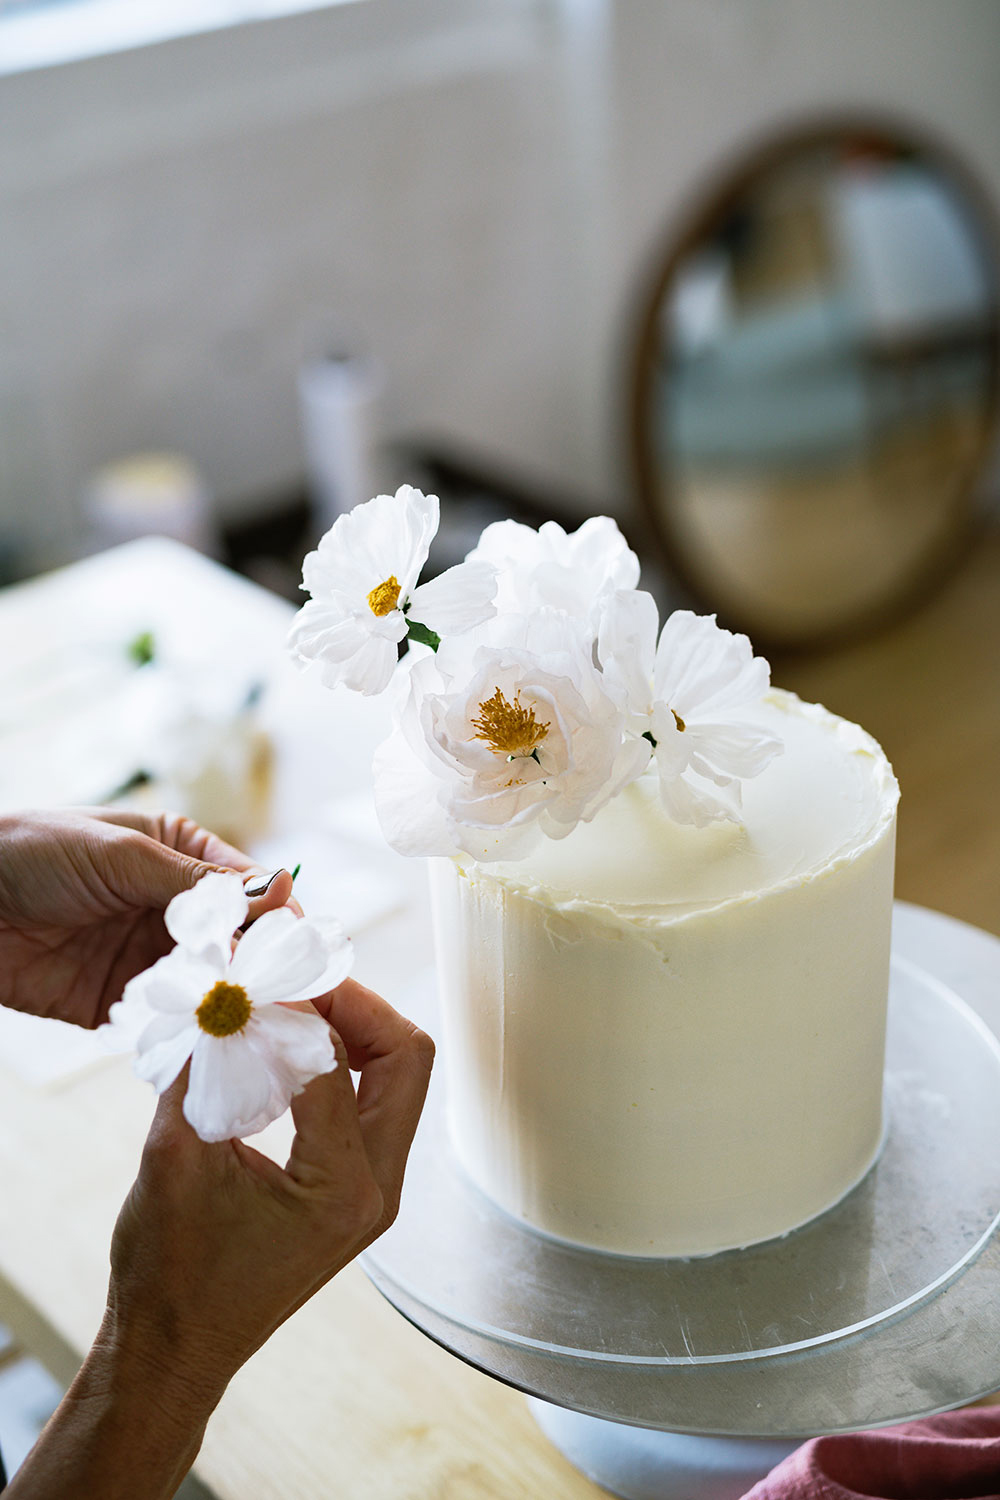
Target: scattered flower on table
(365, 594)
(231, 1012)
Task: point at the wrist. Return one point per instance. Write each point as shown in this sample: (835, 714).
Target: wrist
(142, 1366)
(129, 1428)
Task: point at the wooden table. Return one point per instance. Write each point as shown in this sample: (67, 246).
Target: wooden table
(347, 1398)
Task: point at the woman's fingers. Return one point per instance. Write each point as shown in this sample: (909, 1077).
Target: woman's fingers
(328, 1142)
(179, 852)
(395, 1059)
(177, 832)
(267, 890)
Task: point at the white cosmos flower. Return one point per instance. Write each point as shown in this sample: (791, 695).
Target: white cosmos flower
(229, 1013)
(686, 694)
(504, 735)
(365, 596)
(551, 569)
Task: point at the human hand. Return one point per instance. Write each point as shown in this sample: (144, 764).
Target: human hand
(216, 1245)
(82, 895)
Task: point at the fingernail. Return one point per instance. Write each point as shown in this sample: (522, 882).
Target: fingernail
(261, 883)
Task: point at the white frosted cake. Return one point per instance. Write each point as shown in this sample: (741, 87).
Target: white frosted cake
(666, 1040)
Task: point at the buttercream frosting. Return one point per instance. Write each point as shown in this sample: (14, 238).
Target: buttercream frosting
(665, 1040)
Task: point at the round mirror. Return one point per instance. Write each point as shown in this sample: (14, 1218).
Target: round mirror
(816, 382)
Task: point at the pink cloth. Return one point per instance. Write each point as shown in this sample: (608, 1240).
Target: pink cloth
(955, 1456)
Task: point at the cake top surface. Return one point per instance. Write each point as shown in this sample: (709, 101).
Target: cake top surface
(829, 796)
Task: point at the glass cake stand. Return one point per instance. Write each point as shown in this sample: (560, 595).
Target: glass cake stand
(692, 1378)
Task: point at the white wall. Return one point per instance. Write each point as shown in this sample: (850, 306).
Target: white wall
(476, 185)
(172, 215)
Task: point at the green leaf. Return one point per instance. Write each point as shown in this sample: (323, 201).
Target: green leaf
(142, 649)
(418, 632)
(295, 872)
(647, 736)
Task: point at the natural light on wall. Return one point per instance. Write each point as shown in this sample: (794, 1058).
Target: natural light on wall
(39, 33)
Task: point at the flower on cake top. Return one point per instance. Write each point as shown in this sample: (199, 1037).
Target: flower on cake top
(684, 694)
(231, 1012)
(547, 691)
(549, 568)
(365, 595)
(504, 735)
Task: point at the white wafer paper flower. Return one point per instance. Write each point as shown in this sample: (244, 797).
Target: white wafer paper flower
(230, 1012)
(551, 569)
(685, 695)
(365, 596)
(504, 736)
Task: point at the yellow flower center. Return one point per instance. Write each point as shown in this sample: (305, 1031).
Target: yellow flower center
(385, 596)
(224, 1010)
(508, 728)
(678, 720)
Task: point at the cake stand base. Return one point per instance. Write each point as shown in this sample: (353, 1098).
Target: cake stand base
(638, 1463)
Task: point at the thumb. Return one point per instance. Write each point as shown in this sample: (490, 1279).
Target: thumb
(154, 874)
(328, 1141)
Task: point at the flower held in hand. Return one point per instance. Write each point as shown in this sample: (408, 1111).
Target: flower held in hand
(230, 1013)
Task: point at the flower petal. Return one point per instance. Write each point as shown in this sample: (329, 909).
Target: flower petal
(696, 804)
(352, 649)
(228, 1087)
(512, 841)
(548, 568)
(406, 801)
(339, 961)
(457, 599)
(203, 919)
(176, 982)
(737, 750)
(325, 632)
(163, 1049)
(703, 671)
(389, 535)
(296, 1046)
(278, 956)
(626, 650)
(369, 670)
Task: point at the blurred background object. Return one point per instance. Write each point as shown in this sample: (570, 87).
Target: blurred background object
(816, 382)
(477, 190)
(131, 686)
(341, 394)
(160, 494)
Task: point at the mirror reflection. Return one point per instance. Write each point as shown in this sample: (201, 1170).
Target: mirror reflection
(819, 393)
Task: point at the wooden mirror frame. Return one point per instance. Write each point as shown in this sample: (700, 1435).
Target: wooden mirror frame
(729, 183)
